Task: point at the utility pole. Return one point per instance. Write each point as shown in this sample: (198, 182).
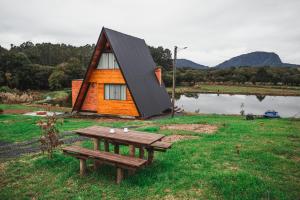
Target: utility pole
(174, 79)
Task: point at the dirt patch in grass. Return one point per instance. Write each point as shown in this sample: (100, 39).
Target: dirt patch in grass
(234, 168)
(175, 138)
(3, 166)
(107, 119)
(12, 150)
(296, 158)
(198, 191)
(198, 128)
(14, 111)
(51, 107)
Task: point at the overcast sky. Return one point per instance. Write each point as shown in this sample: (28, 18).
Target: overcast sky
(213, 30)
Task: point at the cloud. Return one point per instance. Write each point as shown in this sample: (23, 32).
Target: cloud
(213, 30)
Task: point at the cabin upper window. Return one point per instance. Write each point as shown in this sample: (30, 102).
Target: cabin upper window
(108, 61)
(115, 92)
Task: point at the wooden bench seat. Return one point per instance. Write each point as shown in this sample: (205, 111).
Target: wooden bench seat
(120, 161)
(161, 146)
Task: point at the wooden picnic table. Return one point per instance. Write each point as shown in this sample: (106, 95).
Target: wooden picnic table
(149, 141)
(132, 138)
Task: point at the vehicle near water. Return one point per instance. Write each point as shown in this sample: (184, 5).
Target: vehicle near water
(271, 114)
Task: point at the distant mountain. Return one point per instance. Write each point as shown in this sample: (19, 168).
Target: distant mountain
(182, 63)
(255, 59)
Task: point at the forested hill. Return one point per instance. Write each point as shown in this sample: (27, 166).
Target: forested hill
(184, 63)
(54, 54)
(54, 66)
(255, 59)
(46, 65)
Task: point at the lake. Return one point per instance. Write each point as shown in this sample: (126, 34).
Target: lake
(286, 106)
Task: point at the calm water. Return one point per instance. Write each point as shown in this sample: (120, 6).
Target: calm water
(231, 104)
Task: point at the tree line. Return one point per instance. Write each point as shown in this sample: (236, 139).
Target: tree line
(237, 75)
(43, 66)
(54, 66)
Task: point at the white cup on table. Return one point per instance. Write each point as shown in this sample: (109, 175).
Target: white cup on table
(125, 130)
(111, 130)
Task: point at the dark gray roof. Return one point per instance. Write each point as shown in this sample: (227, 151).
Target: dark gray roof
(138, 67)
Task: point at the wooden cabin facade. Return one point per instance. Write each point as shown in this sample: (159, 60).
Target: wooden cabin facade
(122, 79)
(101, 82)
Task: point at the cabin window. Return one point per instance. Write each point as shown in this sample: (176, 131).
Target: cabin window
(108, 61)
(115, 92)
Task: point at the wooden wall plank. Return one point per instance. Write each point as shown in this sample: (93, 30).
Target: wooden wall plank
(107, 76)
(116, 107)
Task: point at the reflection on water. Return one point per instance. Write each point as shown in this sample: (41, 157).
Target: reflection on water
(231, 104)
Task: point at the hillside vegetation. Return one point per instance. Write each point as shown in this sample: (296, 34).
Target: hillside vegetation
(53, 66)
(236, 75)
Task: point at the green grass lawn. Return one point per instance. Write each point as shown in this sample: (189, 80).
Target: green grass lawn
(241, 89)
(267, 167)
(17, 107)
(32, 107)
(18, 128)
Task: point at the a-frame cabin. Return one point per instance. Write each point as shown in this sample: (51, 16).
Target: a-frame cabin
(121, 79)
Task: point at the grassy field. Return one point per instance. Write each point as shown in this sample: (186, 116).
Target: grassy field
(19, 128)
(32, 107)
(17, 107)
(267, 167)
(241, 89)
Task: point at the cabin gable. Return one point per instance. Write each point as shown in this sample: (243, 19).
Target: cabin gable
(108, 93)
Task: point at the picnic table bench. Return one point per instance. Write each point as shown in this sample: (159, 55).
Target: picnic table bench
(134, 139)
(120, 161)
(161, 146)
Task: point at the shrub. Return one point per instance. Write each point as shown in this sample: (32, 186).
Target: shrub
(50, 135)
(5, 89)
(57, 80)
(10, 98)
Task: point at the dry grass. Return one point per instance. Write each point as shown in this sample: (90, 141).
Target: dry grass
(6, 97)
(15, 111)
(198, 128)
(175, 138)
